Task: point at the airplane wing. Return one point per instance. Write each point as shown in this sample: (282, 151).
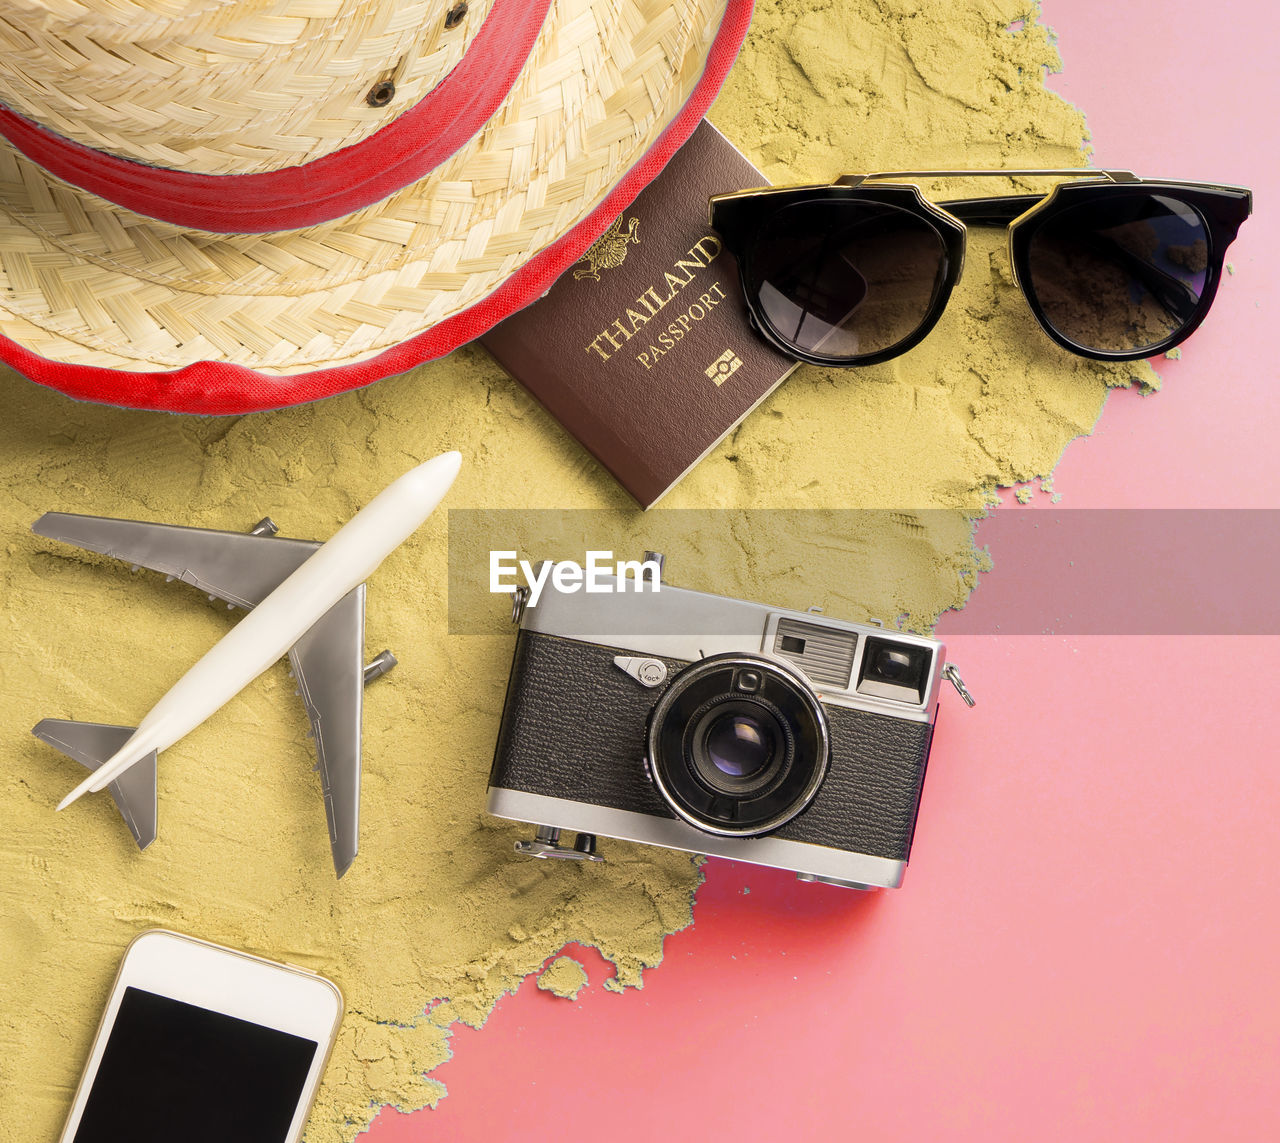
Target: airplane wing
(237, 567)
(328, 663)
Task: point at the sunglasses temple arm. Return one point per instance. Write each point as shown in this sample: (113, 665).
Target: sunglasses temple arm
(998, 211)
(1171, 292)
(817, 264)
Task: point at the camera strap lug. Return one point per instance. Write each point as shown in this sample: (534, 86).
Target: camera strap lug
(951, 673)
(519, 600)
(546, 844)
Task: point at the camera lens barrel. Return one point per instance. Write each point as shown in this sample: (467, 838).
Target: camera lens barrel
(738, 745)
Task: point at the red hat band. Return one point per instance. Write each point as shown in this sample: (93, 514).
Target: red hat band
(332, 186)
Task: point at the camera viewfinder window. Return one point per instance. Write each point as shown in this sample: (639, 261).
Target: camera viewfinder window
(894, 670)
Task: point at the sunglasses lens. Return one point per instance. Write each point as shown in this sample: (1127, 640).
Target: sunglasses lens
(1121, 275)
(846, 279)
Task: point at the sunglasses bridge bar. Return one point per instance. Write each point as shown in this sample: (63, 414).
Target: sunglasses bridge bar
(986, 173)
(1109, 176)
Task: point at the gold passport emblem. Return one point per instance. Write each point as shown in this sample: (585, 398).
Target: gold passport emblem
(607, 252)
(724, 367)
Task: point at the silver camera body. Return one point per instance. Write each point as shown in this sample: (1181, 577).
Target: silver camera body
(716, 726)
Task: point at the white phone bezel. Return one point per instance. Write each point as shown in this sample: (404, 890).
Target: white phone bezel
(281, 996)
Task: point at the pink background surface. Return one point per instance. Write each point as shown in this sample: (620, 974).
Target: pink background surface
(1086, 947)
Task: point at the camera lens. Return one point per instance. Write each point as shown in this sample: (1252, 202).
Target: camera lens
(739, 745)
(733, 759)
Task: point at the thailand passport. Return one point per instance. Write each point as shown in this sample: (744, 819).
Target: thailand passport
(642, 348)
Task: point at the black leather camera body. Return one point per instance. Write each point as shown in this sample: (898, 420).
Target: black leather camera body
(717, 726)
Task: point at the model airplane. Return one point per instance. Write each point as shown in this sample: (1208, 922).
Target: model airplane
(306, 599)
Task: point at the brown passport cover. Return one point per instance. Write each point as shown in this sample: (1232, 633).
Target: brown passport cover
(642, 349)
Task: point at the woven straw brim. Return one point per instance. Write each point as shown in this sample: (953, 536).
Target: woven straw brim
(224, 88)
(84, 282)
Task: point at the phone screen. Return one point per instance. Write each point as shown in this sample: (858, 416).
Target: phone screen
(173, 1070)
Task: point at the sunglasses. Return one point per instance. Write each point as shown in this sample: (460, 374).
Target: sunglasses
(1114, 267)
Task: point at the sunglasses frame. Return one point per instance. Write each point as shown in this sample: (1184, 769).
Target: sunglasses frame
(739, 215)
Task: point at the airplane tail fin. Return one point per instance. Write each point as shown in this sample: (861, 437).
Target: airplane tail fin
(91, 744)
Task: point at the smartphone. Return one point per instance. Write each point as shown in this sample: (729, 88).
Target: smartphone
(202, 1043)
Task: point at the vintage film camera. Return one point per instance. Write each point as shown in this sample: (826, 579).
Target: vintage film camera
(717, 726)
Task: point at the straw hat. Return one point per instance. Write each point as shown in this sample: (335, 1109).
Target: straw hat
(223, 205)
